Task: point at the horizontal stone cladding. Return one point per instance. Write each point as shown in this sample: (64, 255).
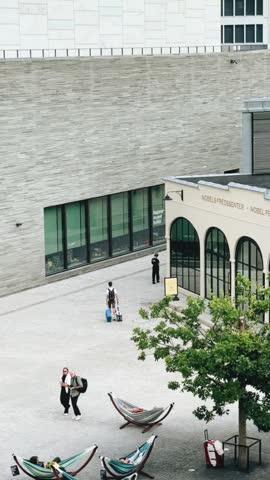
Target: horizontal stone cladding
(81, 128)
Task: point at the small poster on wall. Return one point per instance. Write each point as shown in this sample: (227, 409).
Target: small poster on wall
(158, 217)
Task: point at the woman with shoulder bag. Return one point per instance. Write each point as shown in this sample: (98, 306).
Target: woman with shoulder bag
(75, 386)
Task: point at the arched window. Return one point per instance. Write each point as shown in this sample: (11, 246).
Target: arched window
(217, 264)
(249, 262)
(185, 255)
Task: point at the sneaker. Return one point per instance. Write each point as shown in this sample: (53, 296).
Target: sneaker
(74, 417)
(78, 417)
(66, 413)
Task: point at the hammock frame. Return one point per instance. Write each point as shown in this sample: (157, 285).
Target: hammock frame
(137, 468)
(147, 425)
(55, 473)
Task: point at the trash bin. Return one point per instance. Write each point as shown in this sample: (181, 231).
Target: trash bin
(214, 453)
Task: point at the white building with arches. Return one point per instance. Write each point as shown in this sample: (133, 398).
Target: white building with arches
(218, 226)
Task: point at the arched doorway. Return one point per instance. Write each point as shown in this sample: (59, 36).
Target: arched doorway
(185, 255)
(217, 264)
(249, 261)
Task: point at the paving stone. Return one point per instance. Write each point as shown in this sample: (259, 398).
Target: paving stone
(62, 324)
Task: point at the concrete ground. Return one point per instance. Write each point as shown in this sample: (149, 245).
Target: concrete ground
(63, 324)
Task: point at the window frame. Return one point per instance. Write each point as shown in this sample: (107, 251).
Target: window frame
(222, 258)
(87, 208)
(190, 269)
(257, 4)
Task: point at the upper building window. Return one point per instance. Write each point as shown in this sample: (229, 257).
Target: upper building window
(250, 7)
(259, 7)
(259, 33)
(239, 7)
(229, 8)
(228, 34)
(239, 34)
(250, 33)
(242, 34)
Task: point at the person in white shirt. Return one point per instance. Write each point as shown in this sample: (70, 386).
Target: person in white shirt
(111, 298)
(65, 392)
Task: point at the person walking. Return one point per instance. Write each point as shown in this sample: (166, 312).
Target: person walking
(155, 268)
(75, 385)
(111, 298)
(65, 393)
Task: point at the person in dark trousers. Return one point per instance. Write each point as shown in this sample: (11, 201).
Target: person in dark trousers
(74, 388)
(65, 393)
(155, 268)
(111, 298)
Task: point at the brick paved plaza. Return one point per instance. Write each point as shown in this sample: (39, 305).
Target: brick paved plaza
(63, 324)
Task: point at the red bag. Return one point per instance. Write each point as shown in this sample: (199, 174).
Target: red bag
(212, 458)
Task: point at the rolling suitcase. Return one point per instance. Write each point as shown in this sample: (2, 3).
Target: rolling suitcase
(118, 315)
(214, 456)
(108, 315)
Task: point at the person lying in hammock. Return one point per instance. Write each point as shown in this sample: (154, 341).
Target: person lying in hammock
(124, 460)
(134, 460)
(55, 462)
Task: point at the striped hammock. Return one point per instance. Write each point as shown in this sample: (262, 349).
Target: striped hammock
(47, 473)
(137, 414)
(137, 459)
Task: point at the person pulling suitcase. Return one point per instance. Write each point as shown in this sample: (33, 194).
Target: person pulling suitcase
(112, 299)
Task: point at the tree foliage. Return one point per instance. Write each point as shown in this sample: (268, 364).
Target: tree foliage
(226, 363)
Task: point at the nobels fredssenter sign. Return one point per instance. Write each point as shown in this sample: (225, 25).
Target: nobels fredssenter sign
(238, 205)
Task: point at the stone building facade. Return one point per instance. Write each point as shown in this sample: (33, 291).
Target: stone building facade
(73, 130)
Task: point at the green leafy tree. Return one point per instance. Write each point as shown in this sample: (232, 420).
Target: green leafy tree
(227, 363)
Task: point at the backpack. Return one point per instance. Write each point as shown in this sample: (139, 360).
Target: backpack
(85, 385)
(111, 295)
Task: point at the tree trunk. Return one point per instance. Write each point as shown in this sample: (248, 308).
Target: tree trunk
(242, 454)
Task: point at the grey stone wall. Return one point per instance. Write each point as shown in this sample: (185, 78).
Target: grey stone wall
(76, 129)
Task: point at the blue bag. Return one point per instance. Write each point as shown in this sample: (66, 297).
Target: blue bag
(108, 314)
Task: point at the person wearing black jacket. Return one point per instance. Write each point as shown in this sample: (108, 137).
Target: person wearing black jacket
(65, 381)
(155, 268)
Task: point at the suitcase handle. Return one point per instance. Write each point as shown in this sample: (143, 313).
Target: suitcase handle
(206, 438)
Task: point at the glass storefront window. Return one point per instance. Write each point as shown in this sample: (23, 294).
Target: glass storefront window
(96, 229)
(217, 264)
(54, 258)
(158, 214)
(120, 224)
(185, 255)
(76, 234)
(249, 259)
(98, 224)
(140, 218)
(249, 263)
